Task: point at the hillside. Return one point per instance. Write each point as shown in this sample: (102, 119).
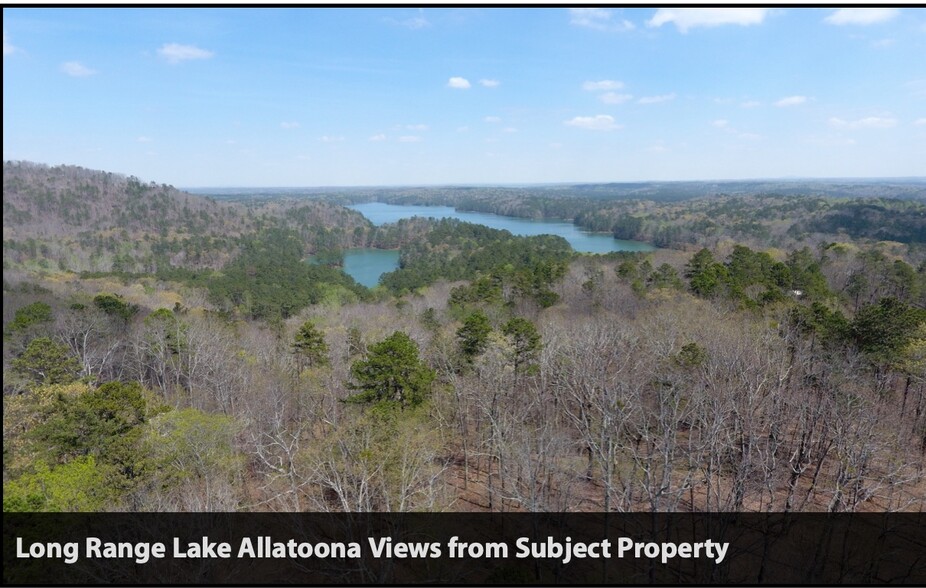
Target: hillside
(164, 351)
(87, 220)
(43, 201)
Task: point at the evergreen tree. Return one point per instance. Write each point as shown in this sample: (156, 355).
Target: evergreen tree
(310, 347)
(392, 374)
(882, 330)
(706, 275)
(473, 336)
(31, 314)
(526, 341)
(46, 362)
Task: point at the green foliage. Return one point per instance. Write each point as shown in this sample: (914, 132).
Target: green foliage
(628, 227)
(665, 276)
(309, 346)
(429, 319)
(525, 340)
(189, 444)
(271, 280)
(166, 333)
(806, 274)
(747, 267)
(105, 423)
(330, 257)
(46, 362)
(454, 250)
(691, 355)
(904, 282)
(31, 314)
(391, 374)
(76, 486)
(706, 276)
(473, 336)
(881, 220)
(114, 305)
(485, 290)
(884, 329)
(627, 269)
(830, 327)
(754, 278)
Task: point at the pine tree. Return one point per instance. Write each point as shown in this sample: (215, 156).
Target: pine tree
(310, 347)
(473, 336)
(392, 373)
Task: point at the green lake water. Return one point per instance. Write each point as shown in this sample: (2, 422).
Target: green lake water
(367, 265)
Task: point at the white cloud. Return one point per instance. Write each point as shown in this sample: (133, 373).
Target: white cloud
(615, 98)
(870, 122)
(920, 122)
(8, 47)
(830, 141)
(489, 83)
(331, 139)
(289, 125)
(418, 22)
(409, 139)
(861, 16)
(463, 129)
(602, 85)
(143, 139)
(750, 104)
(175, 53)
(656, 99)
(791, 101)
(414, 23)
(598, 19)
(492, 119)
(882, 43)
(378, 137)
(593, 18)
(76, 69)
(458, 83)
(689, 18)
(509, 130)
(724, 125)
(600, 122)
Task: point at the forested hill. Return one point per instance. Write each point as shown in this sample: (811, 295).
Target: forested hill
(86, 220)
(45, 201)
(39, 200)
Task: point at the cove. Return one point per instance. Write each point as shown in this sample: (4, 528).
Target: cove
(367, 265)
(380, 213)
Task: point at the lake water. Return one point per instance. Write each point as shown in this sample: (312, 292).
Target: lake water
(380, 213)
(367, 265)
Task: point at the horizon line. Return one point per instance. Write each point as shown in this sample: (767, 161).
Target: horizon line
(858, 179)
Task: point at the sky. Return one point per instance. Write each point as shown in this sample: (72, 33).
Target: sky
(222, 97)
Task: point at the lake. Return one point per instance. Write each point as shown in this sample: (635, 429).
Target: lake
(367, 265)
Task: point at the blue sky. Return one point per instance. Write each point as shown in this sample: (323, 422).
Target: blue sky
(407, 96)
